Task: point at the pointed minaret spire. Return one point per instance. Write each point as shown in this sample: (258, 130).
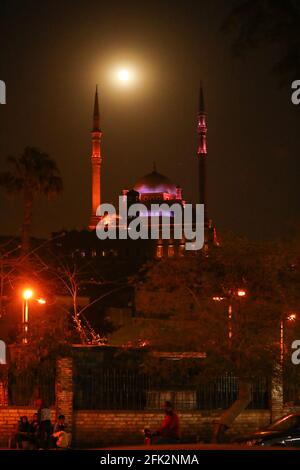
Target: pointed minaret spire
(96, 126)
(96, 163)
(202, 127)
(210, 232)
(201, 107)
(202, 151)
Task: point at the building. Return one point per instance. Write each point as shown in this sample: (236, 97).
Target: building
(151, 188)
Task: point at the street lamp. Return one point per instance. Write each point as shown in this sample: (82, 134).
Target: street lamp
(239, 293)
(27, 295)
(289, 318)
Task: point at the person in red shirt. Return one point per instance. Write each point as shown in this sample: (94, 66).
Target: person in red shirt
(168, 433)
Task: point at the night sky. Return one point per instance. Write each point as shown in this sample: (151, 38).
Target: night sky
(54, 52)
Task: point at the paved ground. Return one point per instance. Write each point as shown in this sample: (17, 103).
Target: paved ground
(202, 447)
(208, 447)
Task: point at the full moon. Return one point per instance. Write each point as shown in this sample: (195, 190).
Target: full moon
(124, 75)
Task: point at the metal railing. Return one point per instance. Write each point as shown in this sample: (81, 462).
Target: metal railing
(223, 391)
(110, 389)
(24, 388)
(116, 389)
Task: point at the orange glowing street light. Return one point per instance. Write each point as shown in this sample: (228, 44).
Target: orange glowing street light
(241, 293)
(289, 318)
(27, 294)
(217, 298)
(231, 294)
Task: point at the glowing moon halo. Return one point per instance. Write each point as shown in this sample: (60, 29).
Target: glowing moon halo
(124, 75)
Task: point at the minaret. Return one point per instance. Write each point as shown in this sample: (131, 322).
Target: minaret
(210, 231)
(202, 153)
(96, 163)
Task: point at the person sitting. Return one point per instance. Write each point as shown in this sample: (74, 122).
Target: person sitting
(60, 436)
(34, 431)
(168, 432)
(23, 433)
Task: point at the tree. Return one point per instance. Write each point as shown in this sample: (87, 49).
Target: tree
(198, 299)
(31, 367)
(85, 293)
(31, 174)
(256, 23)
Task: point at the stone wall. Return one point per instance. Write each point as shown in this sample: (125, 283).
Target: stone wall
(102, 428)
(64, 388)
(277, 406)
(3, 393)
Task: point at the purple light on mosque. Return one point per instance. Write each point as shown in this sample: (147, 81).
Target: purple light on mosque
(157, 189)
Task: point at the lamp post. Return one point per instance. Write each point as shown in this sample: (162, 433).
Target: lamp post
(239, 293)
(27, 295)
(290, 318)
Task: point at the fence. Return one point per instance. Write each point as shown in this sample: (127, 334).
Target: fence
(110, 389)
(105, 388)
(291, 393)
(116, 389)
(24, 388)
(222, 392)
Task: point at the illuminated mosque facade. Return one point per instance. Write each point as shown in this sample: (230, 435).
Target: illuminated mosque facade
(155, 187)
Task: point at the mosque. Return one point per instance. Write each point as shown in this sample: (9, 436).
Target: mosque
(150, 188)
(108, 262)
(155, 187)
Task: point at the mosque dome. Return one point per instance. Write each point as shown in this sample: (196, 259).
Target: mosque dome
(155, 183)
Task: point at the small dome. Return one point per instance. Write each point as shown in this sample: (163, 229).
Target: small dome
(155, 183)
